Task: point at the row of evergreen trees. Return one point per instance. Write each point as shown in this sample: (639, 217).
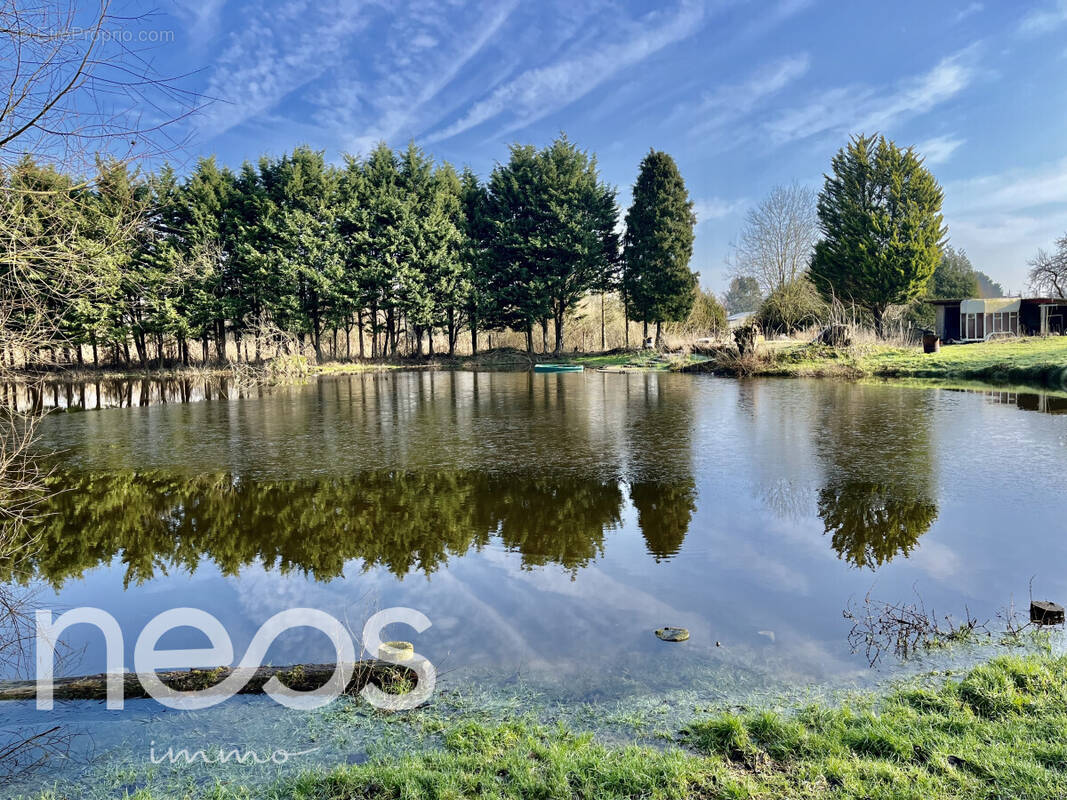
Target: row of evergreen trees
(391, 244)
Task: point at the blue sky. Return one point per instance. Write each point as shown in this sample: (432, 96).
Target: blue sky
(744, 95)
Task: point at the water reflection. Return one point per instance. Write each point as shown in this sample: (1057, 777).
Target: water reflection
(405, 522)
(878, 493)
(525, 488)
(1028, 401)
(552, 522)
(120, 393)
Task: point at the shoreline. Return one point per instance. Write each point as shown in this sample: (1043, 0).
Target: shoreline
(1039, 364)
(983, 732)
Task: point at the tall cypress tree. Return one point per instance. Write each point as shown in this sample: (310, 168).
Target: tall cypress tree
(657, 282)
(880, 216)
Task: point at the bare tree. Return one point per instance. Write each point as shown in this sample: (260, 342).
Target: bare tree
(73, 88)
(1048, 271)
(776, 241)
(75, 82)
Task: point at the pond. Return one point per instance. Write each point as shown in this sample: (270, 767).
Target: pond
(546, 524)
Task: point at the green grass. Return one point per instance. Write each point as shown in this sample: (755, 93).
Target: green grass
(1000, 731)
(1030, 361)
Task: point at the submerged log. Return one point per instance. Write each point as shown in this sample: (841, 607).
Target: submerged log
(300, 677)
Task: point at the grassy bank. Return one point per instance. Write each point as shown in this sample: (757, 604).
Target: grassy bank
(996, 732)
(1029, 362)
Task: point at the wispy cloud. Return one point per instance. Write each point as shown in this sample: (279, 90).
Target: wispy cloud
(1007, 216)
(730, 102)
(864, 108)
(715, 208)
(538, 92)
(201, 17)
(273, 55)
(969, 11)
(939, 149)
(399, 104)
(1044, 20)
(1014, 189)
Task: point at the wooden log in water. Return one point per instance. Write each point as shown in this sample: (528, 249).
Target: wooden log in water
(300, 677)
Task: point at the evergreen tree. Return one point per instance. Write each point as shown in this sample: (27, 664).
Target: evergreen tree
(658, 245)
(954, 277)
(880, 219)
(515, 212)
(578, 246)
(474, 255)
(987, 287)
(743, 294)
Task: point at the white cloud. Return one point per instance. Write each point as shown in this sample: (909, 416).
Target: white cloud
(865, 109)
(1013, 190)
(939, 149)
(201, 17)
(1044, 20)
(715, 208)
(1003, 218)
(397, 108)
(272, 56)
(730, 102)
(962, 14)
(536, 93)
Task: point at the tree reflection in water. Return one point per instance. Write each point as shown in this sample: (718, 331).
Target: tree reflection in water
(877, 497)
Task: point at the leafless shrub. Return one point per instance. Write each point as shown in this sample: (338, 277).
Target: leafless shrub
(1048, 271)
(903, 629)
(74, 90)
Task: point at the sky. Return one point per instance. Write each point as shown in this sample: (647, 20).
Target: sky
(744, 95)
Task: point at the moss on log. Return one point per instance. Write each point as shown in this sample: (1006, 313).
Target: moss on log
(299, 677)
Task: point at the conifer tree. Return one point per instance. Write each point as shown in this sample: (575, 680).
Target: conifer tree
(658, 244)
(882, 229)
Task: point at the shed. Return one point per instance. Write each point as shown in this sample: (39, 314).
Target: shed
(984, 319)
(976, 320)
(740, 318)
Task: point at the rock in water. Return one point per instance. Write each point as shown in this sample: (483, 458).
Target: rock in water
(673, 634)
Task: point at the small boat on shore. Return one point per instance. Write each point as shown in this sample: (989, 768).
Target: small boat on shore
(558, 368)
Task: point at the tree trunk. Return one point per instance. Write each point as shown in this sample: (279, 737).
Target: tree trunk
(603, 337)
(220, 340)
(451, 332)
(529, 338)
(659, 328)
(544, 335)
(559, 330)
(474, 338)
(374, 332)
(359, 331)
(879, 321)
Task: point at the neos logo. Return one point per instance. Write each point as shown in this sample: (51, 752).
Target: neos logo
(148, 659)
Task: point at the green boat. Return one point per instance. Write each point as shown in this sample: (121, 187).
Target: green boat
(558, 368)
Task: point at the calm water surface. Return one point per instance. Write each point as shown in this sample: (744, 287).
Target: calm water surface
(547, 524)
